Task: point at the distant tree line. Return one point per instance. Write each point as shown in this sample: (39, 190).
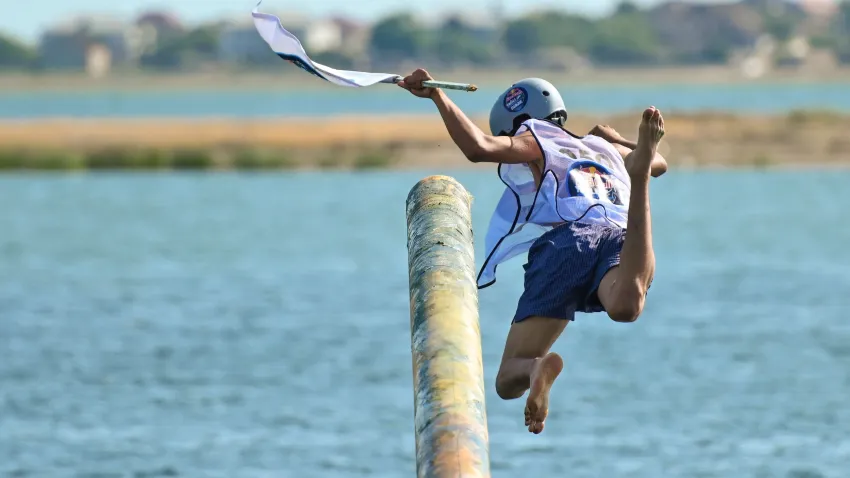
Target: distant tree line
(626, 37)
(15, 55)
(198, 45)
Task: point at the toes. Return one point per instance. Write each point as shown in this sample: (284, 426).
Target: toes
(533, 421)
(651, 114)
(657, 120)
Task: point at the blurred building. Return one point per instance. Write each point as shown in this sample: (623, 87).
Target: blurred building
(322, 35)
(240, 42)
(94, 44)
(354, 36)
(821, 8)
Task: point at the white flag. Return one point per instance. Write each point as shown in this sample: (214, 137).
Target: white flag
(288, 47)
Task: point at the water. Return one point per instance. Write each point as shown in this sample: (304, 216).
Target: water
(385, 99)
(257, 326)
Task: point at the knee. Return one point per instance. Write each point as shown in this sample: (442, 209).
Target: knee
(626, 308)
(506, 390)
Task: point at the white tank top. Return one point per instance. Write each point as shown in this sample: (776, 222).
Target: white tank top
(584, 180)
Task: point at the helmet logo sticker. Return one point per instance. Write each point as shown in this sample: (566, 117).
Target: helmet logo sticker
(515, 99)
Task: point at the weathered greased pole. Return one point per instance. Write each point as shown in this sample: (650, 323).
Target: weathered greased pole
(448, 377)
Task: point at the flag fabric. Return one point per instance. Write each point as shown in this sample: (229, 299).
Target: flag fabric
(288, 47)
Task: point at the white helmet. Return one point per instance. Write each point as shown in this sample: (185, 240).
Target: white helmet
(531, 98)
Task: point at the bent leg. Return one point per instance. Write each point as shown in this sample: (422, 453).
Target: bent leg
(561, 264)
(528, 364)
(622, 290)
(528, 341)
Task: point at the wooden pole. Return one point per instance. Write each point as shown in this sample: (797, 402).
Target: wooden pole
(448, 376)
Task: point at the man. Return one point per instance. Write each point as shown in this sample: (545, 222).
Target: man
(569, 201)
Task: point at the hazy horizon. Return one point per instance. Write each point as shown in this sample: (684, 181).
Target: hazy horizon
(30, 19)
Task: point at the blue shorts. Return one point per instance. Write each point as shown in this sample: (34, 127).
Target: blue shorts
(564, 269)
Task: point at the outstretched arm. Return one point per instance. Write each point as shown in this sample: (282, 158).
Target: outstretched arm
(476, 145)
(480, 147)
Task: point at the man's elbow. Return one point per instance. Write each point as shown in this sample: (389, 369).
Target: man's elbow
(477, 153)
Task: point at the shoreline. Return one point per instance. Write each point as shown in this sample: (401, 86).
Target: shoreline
(289, 79)
(706, 140)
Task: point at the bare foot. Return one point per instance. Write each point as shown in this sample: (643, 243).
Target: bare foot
(649, 135)
(546, 370)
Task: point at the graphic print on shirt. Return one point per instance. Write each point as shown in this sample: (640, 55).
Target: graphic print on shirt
(592, 180)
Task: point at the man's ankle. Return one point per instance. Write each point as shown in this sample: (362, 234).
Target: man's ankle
(640, 177)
